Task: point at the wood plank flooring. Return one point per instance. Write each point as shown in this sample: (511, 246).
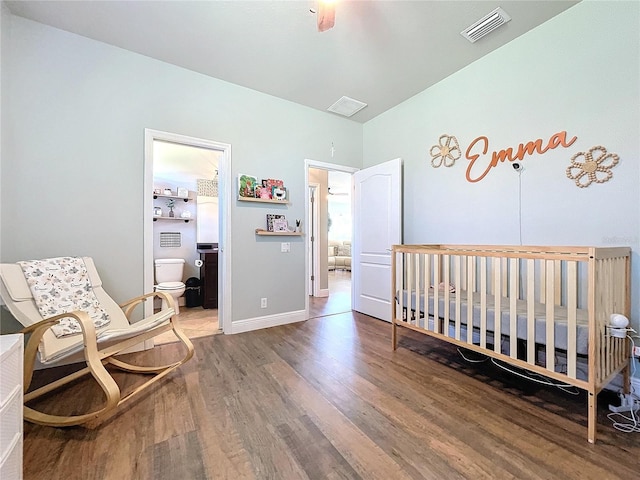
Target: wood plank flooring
(329, 399)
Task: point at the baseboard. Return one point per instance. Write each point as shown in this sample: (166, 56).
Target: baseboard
(323, 292)
(249, 324)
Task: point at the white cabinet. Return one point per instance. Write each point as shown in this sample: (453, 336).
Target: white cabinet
(11, 376)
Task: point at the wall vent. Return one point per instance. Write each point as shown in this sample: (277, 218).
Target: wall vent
(485, 25)
(347, 106)
(170, 239)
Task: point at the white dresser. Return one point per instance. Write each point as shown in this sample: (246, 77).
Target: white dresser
(11, 371)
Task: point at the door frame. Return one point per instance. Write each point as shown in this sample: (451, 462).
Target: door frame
(308, 163)
(224, 227)
(312, 256)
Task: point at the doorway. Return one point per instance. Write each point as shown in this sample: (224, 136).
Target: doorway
(175, 161)
(330, 223)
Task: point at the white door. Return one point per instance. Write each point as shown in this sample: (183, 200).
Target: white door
(377, 226)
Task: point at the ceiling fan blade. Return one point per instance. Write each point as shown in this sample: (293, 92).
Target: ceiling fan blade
(326, 15)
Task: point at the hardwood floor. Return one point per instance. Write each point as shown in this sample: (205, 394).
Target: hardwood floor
(328, 399)
(339, 299)
(196, 322)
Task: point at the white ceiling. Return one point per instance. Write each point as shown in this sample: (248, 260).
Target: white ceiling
(379, 52)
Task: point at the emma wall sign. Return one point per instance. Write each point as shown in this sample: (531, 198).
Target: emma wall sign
(586, 168)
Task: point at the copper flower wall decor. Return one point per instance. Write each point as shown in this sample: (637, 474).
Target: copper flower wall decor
(446, 152)
(593, 166)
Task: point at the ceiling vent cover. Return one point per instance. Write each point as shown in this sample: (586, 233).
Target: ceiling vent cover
(347, 106)
(485, 25)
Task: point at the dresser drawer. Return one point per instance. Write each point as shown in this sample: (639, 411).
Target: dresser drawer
(10, 422)
(11, 466)
(11, 364)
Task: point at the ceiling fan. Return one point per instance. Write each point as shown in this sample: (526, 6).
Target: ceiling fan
(336, 193)
(326, 14)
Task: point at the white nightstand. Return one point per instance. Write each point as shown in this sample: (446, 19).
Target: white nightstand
(11, 376)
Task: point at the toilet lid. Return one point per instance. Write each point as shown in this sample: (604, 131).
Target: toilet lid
(170, 285)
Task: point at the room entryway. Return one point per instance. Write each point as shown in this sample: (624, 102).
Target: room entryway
(196, 322)
(330, 224)
(339, 299)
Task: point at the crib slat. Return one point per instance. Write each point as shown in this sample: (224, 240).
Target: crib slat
(417, 287)
(410, 310)
(447, 293)
(543, 281)
(470, 276)
(427, 309)
(550, 347)
(505, 278)
(458, 279)
(572, 309)
(483, 302)
(426, 283)
(497, 302)
(513, 313)
(403, 285)
(531, 312)
(436, 293)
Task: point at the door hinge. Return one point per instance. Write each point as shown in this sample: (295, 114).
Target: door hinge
(312, 278)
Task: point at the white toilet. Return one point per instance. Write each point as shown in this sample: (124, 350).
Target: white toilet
(169, 273)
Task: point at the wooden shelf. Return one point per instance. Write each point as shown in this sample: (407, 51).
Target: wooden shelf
(263, 200)
(260, 231)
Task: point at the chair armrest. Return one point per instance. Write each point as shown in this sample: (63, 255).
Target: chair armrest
(130, 305)
(37, 331)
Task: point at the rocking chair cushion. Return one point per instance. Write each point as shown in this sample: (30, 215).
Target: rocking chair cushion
(15, 290)
(62, 285)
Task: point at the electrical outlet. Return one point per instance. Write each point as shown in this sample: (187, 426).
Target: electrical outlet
(285, 247)
(263, 303)
(636, 351)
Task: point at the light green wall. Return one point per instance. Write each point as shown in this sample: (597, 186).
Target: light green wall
(72, 174)
(578, 72)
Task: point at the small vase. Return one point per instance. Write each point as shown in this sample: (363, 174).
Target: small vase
(171, 212)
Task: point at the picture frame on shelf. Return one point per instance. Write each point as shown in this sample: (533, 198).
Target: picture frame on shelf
(279, 193)
(183, 192)
(263, 192)
(247, 186)
(280, 225)
(271, 218)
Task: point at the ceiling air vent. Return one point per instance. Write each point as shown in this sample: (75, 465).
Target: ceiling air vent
(346, 106)
(485, 25)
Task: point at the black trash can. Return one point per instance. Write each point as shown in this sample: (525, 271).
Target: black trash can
(192, 292)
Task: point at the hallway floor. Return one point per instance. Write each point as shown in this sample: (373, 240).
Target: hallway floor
(339, 299)
(199, 322)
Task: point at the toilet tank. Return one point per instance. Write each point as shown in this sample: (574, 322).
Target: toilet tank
(169, 269)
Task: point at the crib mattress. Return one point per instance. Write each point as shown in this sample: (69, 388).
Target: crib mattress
(560, 317)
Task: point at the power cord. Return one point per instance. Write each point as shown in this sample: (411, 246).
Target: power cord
(632, 423)
(534, 377)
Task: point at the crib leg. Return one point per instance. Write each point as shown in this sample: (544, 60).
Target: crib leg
(592, 417)
(394, 334)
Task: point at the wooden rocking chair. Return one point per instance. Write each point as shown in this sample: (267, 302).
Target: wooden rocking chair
(95, 347)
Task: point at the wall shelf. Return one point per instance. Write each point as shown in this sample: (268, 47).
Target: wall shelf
(260, 231)
(185, 220)
(155, 195)
(263, 200)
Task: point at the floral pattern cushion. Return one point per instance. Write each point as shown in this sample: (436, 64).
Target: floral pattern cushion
(61, 285)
